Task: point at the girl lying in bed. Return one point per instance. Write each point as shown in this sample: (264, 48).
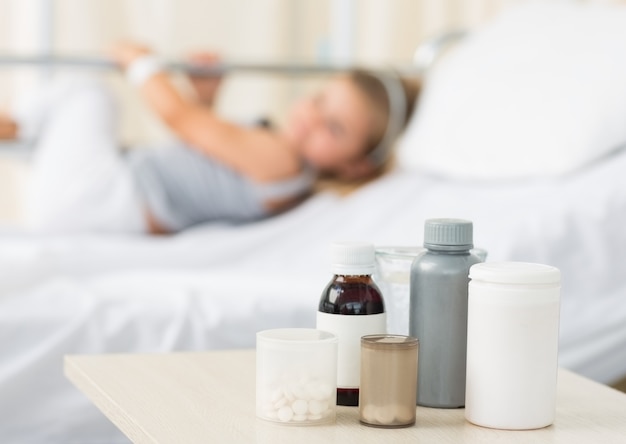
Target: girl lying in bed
(217, 172)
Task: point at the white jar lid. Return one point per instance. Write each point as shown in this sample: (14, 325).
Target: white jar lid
(515, 273)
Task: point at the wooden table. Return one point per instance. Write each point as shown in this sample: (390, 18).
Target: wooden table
(210, 397)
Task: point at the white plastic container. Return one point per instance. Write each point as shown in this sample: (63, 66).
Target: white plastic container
(512, 345)
(296, 376)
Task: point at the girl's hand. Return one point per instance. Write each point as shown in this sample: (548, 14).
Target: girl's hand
(205, 87)
(124, 53)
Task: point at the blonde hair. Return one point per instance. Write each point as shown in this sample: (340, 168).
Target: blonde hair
(377, 90)
(378, 95)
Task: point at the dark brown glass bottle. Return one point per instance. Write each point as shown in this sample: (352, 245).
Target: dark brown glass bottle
(351, 306)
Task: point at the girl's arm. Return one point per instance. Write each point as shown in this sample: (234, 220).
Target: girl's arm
(256, 153)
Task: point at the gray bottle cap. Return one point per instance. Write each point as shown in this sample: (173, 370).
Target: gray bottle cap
(448, 234)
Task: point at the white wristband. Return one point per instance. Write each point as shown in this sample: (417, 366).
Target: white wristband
(143, 68)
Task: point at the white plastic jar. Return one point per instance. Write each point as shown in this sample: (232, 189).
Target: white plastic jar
(512, 345)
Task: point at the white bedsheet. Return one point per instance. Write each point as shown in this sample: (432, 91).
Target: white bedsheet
(215, 286)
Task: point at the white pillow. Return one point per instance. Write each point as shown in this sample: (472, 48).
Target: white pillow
(539, 91)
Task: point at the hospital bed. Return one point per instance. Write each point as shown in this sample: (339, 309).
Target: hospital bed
(215, 286)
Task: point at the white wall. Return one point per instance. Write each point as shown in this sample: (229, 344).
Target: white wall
(383, 31)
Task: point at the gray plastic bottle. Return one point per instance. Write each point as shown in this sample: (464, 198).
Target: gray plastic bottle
(438, 311)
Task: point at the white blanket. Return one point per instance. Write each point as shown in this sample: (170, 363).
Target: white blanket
(215, 286)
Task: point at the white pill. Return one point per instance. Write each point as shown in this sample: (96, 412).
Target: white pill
(368, 412)
(330, 390)
(288, 394)
(320, 391)
(317, 407)
(275, 395)
(312, 389)
(280, 403)
(300, 406)
(314, 417)
(384, 415)
(270, 414)
(299, 417)
(404, 415)
(285, 413)
(300, 391)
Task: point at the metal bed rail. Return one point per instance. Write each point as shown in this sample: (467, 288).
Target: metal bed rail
(424, 57)
(289, 69)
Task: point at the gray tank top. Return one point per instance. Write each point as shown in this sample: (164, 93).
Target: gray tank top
(182, 187)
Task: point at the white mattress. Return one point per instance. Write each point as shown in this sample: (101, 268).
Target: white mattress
(215, 286)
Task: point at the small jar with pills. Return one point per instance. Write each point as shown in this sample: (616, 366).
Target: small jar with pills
(388, 380)
(296, 376)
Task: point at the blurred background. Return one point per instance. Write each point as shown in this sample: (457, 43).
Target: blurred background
(373, 32)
